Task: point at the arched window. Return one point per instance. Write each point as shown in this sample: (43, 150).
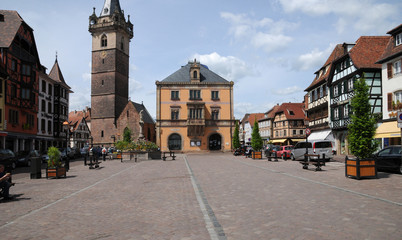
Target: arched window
(195, 75)
(104, 41)
(174, 142)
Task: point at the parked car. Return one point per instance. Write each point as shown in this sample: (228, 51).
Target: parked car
(318, 147)
(45, 158)
(270, 150)
(284, 151)
(8, 159)
(389, 159)
(63, 154)
(24, 158)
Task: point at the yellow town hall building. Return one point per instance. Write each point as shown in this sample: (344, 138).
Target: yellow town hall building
(194, 110)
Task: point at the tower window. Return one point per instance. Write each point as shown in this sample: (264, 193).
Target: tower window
(104, 41)
(122, 44)
(102, 133)
(103, 61)
(1, 18)
(103, 82)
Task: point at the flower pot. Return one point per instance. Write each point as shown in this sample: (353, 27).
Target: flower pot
(257, 155)
(56, 172)
(360, 168)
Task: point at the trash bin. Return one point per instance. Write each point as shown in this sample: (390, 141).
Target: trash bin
(36, 167)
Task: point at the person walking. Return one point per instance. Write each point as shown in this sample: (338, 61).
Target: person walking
(5, 184)
(104, 153)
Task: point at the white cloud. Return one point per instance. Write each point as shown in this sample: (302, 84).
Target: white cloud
(265, 33)
(364, 16)
(287, 91)
(135, 86)
(313, 60)
(230, 68)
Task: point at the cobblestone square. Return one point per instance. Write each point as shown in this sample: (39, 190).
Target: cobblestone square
(203, 196)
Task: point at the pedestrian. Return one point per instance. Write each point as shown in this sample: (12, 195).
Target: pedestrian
(104, 153)
(5, 184)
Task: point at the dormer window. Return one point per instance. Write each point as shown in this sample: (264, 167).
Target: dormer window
(398, 39)
(195, 75)
(104, 40)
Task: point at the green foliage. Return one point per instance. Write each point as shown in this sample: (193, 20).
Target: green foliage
(363, 125)
(140, 145)
(236, 140)
(256, 140)
(54, 157)
(127, 135)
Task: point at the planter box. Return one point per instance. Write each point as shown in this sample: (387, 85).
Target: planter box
(56, 172)
(360, 168)
(257, 155)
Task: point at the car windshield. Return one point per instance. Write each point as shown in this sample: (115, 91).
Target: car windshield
(288, 148)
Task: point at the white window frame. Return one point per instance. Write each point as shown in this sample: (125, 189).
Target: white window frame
(398, 39)
(398, 96)
(397, 67)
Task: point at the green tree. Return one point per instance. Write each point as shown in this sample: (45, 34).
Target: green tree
(256, 140)
(363, 125)
(236, 140)
(127, 135)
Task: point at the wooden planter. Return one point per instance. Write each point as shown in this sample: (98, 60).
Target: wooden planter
(360, 168)
(257, 155)
(56, 172)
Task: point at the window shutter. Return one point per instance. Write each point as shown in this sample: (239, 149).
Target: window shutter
(389, 101)
(389, 68)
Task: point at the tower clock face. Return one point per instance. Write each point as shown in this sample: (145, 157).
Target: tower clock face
(103, 54)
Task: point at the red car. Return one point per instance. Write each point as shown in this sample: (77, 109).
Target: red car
(284, 151)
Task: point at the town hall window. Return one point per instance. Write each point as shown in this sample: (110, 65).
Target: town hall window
(195, 94)
(174, 95)
(104, 41)
(215, 95)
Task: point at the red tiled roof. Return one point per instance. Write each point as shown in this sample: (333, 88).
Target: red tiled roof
(9, 28)
(391, 50)
(296, 108)
(254, 117)
(336, 53)
(368, 50)
(75, 118)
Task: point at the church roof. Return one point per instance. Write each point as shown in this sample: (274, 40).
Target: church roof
(109, 7)
(56, 74)
(146, 117)
(183, 75)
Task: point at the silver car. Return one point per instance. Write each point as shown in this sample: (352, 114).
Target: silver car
(317, 147)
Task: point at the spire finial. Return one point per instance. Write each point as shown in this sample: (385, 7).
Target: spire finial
(56, 56)
(94, 10)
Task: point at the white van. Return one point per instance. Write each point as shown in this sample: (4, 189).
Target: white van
(319, 147)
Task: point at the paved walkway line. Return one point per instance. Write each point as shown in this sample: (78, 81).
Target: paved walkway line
(324, 184)
(64, 198)
(215, 230)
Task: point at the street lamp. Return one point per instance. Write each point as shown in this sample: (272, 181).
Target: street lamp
(66, 127)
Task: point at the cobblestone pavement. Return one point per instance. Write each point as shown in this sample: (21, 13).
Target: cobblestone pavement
(204, 196)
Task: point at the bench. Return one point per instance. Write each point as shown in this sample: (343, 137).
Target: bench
(315, 161)
(171, 154)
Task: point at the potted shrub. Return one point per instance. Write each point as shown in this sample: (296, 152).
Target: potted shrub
(256, 142)
(361, 135)
(54, 167)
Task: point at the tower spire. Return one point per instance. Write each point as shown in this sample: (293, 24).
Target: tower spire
(109, 7)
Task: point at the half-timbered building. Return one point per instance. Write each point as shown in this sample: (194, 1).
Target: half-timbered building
(359, 60)
(19, 54)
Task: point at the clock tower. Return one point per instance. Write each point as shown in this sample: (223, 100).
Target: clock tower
(111, 35)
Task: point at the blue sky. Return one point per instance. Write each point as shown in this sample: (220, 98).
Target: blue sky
(269, 48)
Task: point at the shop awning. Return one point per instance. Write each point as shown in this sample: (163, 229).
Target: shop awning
(320, 135)
(278, 140)
(388, 130)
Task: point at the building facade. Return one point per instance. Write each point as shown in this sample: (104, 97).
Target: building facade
(111, 35)
(19, 55)
(318, 99)
(391, 61)
(79, 134)
(358, 61)
(194, 110)
(288, 124)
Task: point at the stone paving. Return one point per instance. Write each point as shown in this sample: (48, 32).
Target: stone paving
(204, 196)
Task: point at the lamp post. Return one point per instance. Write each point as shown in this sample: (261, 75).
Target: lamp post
(306, 122)
(66, 127)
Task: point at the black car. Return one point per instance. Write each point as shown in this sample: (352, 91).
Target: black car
(389, 158)
(24, 158)
(7, 158)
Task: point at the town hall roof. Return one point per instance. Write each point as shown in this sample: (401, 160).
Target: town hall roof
(183, 75)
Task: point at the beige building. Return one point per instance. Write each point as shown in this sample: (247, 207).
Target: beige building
(194, 110)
